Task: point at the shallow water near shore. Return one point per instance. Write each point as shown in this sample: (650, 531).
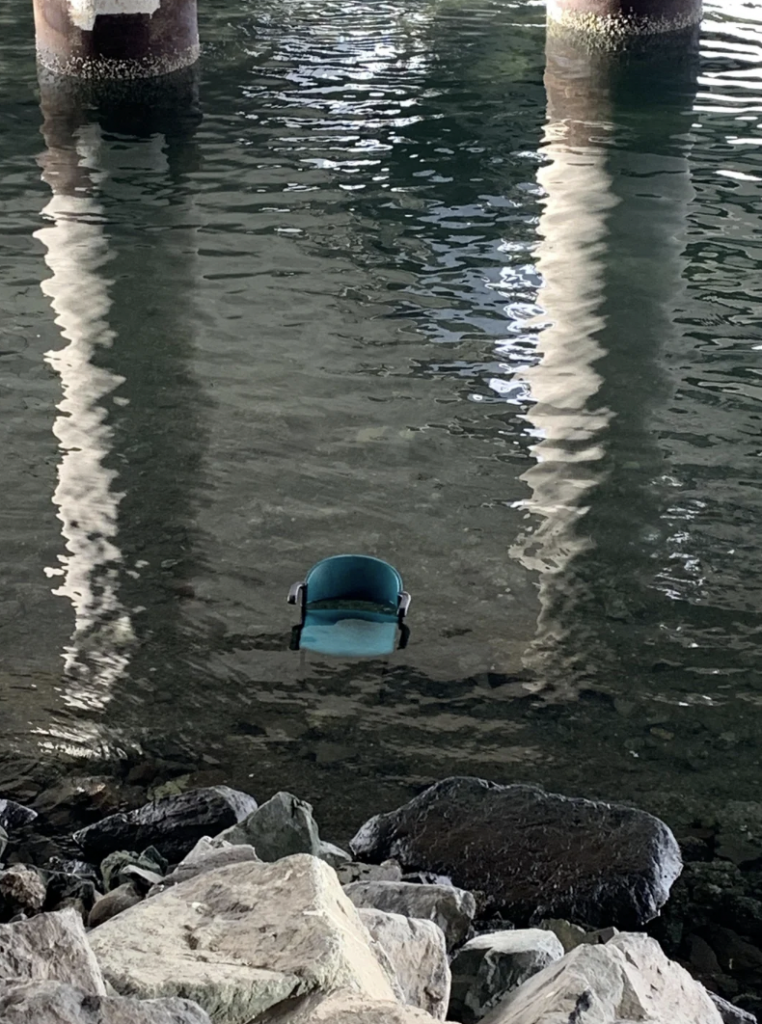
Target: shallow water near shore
(391, 280)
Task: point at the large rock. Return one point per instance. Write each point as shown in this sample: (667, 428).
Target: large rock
(281, 827)
(346, 1008)
(173, 825)
(49, 947)
(206, 855)
(241, 939)
(628, 980)
(532, 854)
(417, 955)
(491, 965)
(51, 1002)
(450, 908)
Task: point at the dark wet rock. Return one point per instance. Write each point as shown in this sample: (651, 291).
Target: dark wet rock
(532, 854)
(22, 891)
(115, 866)
(113, 903)
(13, 815)
(3, 841)
(72, 866)
(281, 827)
(731, 1014)
(355, 871)
(63, 888)
(173, 825)
(53, 1002)
(490, 966)
(80, 800)
(450, 908)
(49, 947)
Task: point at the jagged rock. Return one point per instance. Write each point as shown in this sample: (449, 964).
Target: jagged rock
(417, 954)
(355, 871)
(113, 903)
(22, 891)
(625, 981)
(205, 846)
(450, 908)
(333, 855)
(731, 1014)
(172, 825)
(114, 867)
(573, 935)
(279, 828)
(346, 1008)
(491, 965)
(49, 947)
(241, 939)
(51, 1002)
(198, 864)
(3, 841)
(13, 815)
(532, 854)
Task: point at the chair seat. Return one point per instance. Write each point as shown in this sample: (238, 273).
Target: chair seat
(368, 636)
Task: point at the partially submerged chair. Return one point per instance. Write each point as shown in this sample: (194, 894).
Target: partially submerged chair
(351, 606)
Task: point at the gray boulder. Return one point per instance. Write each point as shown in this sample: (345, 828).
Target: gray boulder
(490, 966)
(450, 908)
(113, 903)
(730, 1013)
(333, 855)
(206, 855)
(22, 891)
(346, 1008)
(628, 980)
(172, 825)
(243, 939)
(49, 947)
(279, 828)
(417, 955)
(355, 871)
(51, 1002)
(532, 854)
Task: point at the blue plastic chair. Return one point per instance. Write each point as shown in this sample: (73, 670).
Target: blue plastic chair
(352, 606)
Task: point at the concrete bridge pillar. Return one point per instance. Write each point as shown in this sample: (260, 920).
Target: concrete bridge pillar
(611, 22)
(115, 39)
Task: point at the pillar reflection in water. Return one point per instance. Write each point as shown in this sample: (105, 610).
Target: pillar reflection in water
(616, 184)
(87, 494)
(96, 282)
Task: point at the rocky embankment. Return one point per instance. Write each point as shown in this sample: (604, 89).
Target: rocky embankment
(473, 902)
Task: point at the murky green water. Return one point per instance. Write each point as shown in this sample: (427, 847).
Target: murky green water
(388, 294)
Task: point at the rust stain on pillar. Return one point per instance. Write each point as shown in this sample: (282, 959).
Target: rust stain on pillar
(116, 39)
(615, 21)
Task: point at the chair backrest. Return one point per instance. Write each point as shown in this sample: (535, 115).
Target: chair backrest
(353, 578)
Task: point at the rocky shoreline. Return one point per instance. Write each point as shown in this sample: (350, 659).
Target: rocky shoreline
(472, 902)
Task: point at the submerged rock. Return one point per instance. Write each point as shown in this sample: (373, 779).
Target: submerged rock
(172, 825)
(49, 947)
(416, 954)
(450, 908)
(279, 828)
(490, 966)
(51, 1002)
(242, 939)
(532, 854)
(627, 980)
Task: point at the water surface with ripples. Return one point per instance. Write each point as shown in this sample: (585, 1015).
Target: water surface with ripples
(396, 280)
